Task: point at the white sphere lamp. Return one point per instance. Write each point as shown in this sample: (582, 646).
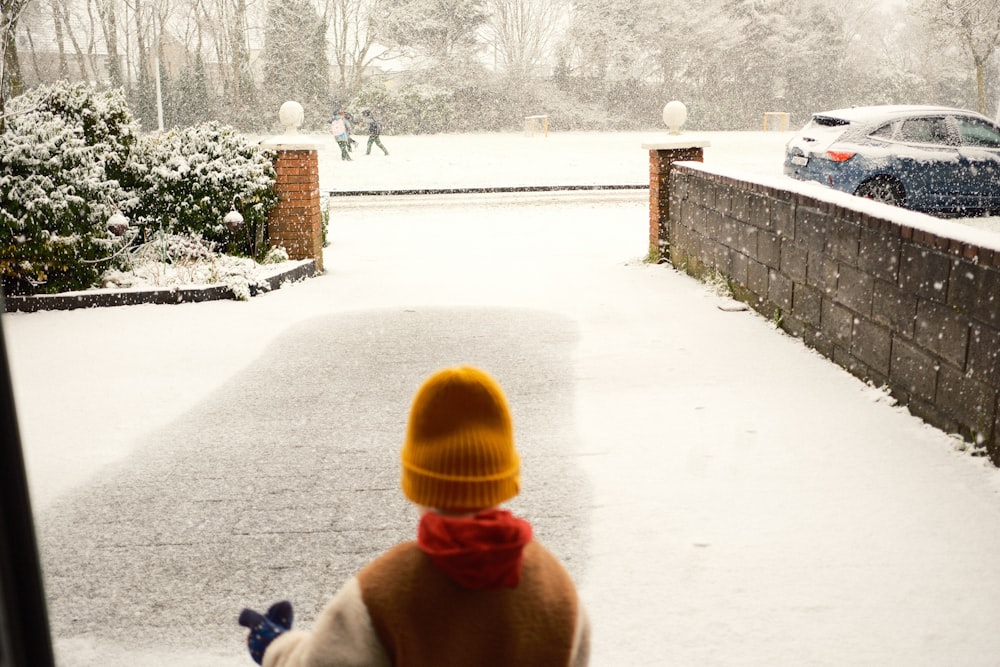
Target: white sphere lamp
(117, 223)
(233, 220)
(674, 115)
(291, 114)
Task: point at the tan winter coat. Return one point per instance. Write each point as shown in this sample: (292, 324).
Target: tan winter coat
(403, 611)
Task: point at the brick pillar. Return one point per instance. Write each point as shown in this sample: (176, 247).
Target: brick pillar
(296, 223)
(662, 157)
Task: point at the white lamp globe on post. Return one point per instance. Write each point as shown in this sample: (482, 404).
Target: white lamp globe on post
(117, 223)
(290, 115)
(233, 221)
(674, 115)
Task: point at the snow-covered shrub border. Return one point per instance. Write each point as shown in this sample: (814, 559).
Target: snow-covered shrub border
(61, 161)
(72, 157)
(172, 260)
(189, 179)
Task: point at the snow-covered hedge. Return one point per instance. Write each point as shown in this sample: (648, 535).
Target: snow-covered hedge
(191, 178)
(72, 156)
(61, 158)
(426, 109)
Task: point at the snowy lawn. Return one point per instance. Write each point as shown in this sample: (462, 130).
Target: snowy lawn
(491, 160)
(562, 158)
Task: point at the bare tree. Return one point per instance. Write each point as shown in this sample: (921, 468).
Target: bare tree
(225, 26)
(212, 35)
(148, 18)
(243, 88)
(974, 25)
(74, 29)
(57, 26)
(521, 32)
(139, 19)
(353, 27)
(10, 65)
(107, 12)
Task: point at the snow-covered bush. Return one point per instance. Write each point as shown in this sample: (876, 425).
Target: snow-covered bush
(381, 102)
(104, 117)
(173, 249)
(189, 179)
(486, 106)
(422, 109)
(62, 156)
(415, 109)
(171, 260)
(275, 255)
(72, 156)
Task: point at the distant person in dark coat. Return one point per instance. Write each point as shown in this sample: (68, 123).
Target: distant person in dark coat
(374, 132)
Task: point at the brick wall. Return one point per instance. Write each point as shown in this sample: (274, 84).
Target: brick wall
(894, 305)
(296, 223)
(661, 161)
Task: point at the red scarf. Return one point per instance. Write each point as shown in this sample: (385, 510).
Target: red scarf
(482, 552)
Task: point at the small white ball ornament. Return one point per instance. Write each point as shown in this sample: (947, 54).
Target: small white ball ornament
(674, 115)
(291, 114)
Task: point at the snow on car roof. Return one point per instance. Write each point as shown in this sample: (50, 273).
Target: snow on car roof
(873, 113)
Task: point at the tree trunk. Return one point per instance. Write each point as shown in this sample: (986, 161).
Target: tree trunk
(60, 43)
(34, 56)
(11, 84)
(80, 55)
(109, 26)
(144, 69)
(981, 85)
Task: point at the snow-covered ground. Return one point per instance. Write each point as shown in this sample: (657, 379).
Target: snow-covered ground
(750, 502)
(564, 158)
(509, 161)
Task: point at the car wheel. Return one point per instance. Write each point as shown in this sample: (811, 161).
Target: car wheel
(884, 189)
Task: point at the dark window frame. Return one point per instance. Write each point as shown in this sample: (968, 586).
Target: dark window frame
(25, 637)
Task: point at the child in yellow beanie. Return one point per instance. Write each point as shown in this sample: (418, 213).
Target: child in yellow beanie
(474, 588)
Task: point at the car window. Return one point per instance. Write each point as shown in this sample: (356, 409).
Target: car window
(884, 132)
(976, 132)
(933, 130)
(829, 121)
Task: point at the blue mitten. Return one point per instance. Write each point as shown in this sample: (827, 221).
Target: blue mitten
(265, 628)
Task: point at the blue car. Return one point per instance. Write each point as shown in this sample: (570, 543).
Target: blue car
(937, 160)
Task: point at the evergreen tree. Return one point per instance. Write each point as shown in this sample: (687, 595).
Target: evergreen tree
(295, 60)
(143, 101)
(188, 101)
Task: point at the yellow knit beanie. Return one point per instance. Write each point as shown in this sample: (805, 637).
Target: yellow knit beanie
(459, 449)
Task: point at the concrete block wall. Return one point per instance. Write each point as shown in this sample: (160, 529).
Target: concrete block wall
(916, 312)
(296, 223)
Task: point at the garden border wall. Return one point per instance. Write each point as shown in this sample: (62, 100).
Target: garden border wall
(893, 304)
(106, 298)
